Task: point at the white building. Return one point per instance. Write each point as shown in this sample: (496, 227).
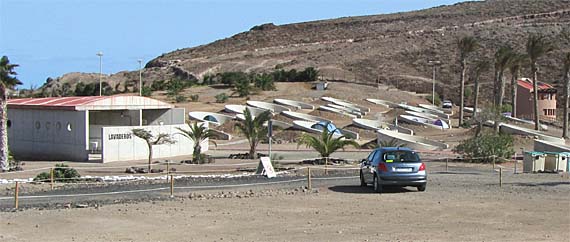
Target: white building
(97, 129)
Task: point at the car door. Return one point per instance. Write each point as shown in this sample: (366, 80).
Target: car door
(366, 167)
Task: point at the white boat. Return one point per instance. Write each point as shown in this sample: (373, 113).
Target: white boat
(347, 104)
(275, 108)
(524, 121)
(294, 104)
(470, 109)
(212, 118)
(439, 109)
(410, 141)
(304, 116)
(422, 115)
(318, 127)
(338, 111)
(240, 109)
(423, 110)
(376, 124)
(381, 102)
(545, 146)
(513, 129)
(432, 123)
(346, 109)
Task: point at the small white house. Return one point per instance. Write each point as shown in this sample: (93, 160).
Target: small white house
(95, 128)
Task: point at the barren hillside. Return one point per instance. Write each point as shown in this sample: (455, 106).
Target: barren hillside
(392, 48)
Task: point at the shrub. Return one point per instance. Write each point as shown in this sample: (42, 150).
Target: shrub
(221, 98)
(264, 82)
(180, 98)
(158, 86)
(437, 99)
(243, 88)
(146, 91)
(61, 173)
(506, 108)
(194, 98)
(231, 78)
(481, 148)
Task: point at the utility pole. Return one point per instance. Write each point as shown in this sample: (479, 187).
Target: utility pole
(140, 77)
(100, 54)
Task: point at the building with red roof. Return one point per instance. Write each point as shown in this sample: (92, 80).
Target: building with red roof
(546, 100)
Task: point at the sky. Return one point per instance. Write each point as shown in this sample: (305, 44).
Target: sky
(49, 38)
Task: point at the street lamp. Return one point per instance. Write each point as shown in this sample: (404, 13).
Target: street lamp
(140, 77)
(433, 63)
(100, 54)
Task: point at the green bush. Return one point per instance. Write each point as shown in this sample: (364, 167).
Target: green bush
(180, 98)
(61, 173)
(243, 88)
(482, 148)
(437, 99)
(194, 98)
(221, 98)
(264, 82)
(506, 108)
(146, 91)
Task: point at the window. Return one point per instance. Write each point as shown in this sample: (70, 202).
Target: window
(9, 123)
(400, 156)
(69, 127)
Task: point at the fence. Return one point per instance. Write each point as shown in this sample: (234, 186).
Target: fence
(172, 177)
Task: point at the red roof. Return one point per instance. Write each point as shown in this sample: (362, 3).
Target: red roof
(528, 84)
(87, 103)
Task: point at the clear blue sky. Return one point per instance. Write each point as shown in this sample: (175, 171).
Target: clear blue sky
(49, 38)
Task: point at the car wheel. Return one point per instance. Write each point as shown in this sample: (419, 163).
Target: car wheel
(377, 185)
(422, 188)
(362, 182)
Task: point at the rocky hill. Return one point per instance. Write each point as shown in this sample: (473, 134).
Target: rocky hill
(393, 48)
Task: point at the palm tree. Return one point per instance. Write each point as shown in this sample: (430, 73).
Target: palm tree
(537, 46)
(466, 46)
(151, 141)
(566, 94)
(198, 133)
(480, 67)
(325, 145)
(7, 82)
(390, 143)
(515, 68)
(503, 58)
(253, 129)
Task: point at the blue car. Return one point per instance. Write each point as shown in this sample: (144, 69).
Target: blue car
(393, 166)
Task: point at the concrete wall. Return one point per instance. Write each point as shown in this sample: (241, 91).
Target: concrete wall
(44, 134)
(120, 145)
(164, 116)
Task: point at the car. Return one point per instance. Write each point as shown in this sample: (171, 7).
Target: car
(393, 166)
(447, 104)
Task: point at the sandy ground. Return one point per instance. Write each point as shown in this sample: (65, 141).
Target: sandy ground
(465, 204)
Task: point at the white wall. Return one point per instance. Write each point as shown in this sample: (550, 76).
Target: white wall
(44, 135)
(129, 147)
(166, 116)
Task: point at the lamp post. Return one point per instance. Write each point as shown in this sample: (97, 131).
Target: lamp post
(140, 77)
(433, 63)
(100, 54)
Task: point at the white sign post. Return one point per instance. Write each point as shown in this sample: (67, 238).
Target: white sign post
(265, 167)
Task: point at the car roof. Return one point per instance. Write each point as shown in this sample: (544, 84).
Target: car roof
(383, 149)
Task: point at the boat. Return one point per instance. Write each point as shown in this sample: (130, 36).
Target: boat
(410, 141)
(275, 108)
(240, 109)
(338, 111)
(346, 109)
(294, 104)
(545, 146)
(212, 118)
(422, 115)
(432, 123)
(381, 102)
(513, 129)
(470, 109)
(432, 107)
(524, 121)
(347, 104)
(318, 127)
(304, 116)
(423, 110)
(376, 124)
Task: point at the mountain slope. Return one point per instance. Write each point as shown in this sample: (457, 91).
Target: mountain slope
(392, 48)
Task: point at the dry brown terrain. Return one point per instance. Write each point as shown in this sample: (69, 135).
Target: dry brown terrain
(463, 205)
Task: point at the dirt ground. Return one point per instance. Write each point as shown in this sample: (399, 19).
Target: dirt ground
(465, 204)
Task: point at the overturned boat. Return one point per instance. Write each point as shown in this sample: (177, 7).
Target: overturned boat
(338, 111)
(304, 116)
(376, 124)
(318, 127)
(347, 104)
(428, 122)
(381, 102)
(513, 129)
(212, 118)
(240, 109)
(275, 108)
(410, 141)
(294, 104)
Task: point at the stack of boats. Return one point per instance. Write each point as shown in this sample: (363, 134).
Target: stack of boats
(432, 117)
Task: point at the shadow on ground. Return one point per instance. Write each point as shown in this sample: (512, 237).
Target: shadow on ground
(369, 189)
(548, 184)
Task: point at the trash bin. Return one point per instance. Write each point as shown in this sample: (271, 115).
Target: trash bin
(533, 162)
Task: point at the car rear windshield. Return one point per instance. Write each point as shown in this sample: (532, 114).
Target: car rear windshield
(400, 156)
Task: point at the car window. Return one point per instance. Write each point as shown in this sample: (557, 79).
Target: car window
(400, 156)
(371, 155)
(376, 157)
